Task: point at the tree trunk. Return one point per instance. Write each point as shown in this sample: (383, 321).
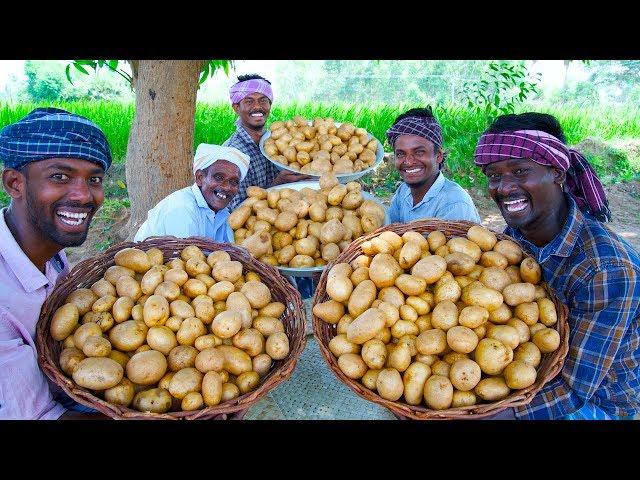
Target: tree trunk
(160, 148)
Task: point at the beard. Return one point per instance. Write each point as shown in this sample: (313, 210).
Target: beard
(41, 220)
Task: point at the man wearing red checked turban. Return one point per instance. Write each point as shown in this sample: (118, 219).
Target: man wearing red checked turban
(555, 206)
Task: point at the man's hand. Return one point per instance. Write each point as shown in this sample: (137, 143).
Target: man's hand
(286, 176)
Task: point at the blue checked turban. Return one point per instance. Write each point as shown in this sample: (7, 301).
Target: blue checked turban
(53, 133)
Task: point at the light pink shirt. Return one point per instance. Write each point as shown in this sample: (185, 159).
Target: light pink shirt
(25, 391)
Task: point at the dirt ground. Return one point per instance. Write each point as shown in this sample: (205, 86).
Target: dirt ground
(624, 201)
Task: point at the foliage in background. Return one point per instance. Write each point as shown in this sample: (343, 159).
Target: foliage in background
(500, 89)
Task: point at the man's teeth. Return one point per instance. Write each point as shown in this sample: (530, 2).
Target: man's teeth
(257, 115)
(71, 218)
(221, 195)
(516, 205)
(413, 170)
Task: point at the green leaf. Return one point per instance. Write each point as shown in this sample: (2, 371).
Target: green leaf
(121, 184)
(80, 67)
(67, 71)
(112, 64)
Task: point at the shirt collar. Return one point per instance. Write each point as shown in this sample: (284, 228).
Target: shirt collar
(22, 267)
(242, 132)
(563, 243)
(433, 191)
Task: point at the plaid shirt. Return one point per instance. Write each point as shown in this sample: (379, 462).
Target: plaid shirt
(597, 275)
(261, 171)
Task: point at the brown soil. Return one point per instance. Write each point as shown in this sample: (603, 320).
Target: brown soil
(624, 201)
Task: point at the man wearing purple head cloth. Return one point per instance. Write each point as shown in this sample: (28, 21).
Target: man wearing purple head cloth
(251, 99)
(555, 206)
(416, 138)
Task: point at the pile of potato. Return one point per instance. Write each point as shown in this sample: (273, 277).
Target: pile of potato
(445, 323)
(304, 228)
(321, 146)
(181, 335)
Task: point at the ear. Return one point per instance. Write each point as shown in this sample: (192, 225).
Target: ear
(440, 156)
(199, 177)
(559, 176)
(236, 108)
(14, 183)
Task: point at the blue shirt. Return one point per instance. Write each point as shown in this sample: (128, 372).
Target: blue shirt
(597, 275)
(185, 213)
(445, 200)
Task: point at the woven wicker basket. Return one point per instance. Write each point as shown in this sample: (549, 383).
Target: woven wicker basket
(549, 367)
(88, 271)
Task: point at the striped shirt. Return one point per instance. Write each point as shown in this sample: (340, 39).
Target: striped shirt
(597, 275)
(261, 171)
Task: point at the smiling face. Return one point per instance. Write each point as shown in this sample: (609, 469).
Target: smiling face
(58, 197)
(219, 183)
(525, 191)
(416, 160)
(253, 110)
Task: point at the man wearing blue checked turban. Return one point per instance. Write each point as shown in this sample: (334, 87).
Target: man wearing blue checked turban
(54, 162)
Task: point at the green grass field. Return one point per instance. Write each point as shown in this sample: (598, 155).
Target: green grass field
(461, 128)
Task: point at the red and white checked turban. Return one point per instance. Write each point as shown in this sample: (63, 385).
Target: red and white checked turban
(543, 148)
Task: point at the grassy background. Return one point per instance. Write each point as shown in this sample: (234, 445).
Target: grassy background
(461, 129)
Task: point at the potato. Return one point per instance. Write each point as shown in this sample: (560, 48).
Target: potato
(420, 305)
(330, 311)
(504, 333)
(365, 326)
(168, 290)
(261, 364)
(360, 300)
(461, 339)
(340, 345)
(361, 261)
(466, 247)
(182, 356)
(494, 259)
(476, 294)
(384, 270)
(548, 314)
(514, 273)
(392, 295)
(444, 315)
(352, 365)
(133, 259)
(369, 379)
(184, 381)
(426, 359)
(85, 331)
(98, 373)
(431, 342)
(247, 381)
(104, 304)
(227, 270)
(273, 309)
(482, 237)
(389, 384)
(430, 269)
(128, 336)
(82, 298)
(268, 325)
(64, 321)
(527, 312)
(162, 339)
(529, 353)
(176, 263)
(302, 261)
(492, 389)
(518, 293)
(339, 270)
(374, 353)
(410, 254)
(220, 290)
(352, 200)
(399, 357)
(340, 289)
(154, 400)
(209, 359)
(410, 284)
(495, 277)
(414, 379)
(492, 356)
(146, 368)
(257, 293)
(235, 360)
(522, 329)
(473, 316)
(530, 270)
(500, 315)
(155, 311)
(519, 374)
(438, 392)
(536, 328)
(250, 340)
(547, 340)
(207, 341)
(436, 239)
(121, 394)
(449, 290)
(465, 374)
(191, 251)
(102, 288)
(453, 357)
(112, 274)
(226, 324)
(463, 399)
(440, 367)
(407, 314)
(277, 345)
(359, 275)
(96, 346)
(70, 358)
(511, 251)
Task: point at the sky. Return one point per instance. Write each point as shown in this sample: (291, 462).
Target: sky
(216, 88)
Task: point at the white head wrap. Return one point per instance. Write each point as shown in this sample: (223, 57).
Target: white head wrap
(207, 154)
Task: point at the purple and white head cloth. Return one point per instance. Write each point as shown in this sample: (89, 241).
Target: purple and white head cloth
(425, 127)
(543, 148)
(256, 85)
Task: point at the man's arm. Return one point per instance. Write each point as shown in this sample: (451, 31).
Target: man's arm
(286, 176)
(599, 315)
(24, 390)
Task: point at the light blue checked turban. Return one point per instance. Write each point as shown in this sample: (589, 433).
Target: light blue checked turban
(53, 133)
